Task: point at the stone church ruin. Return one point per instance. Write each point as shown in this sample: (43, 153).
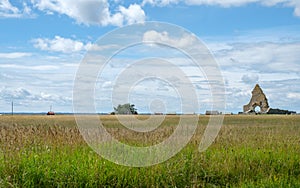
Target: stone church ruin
(260, 100)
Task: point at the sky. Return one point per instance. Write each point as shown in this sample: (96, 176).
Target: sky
(43, 42)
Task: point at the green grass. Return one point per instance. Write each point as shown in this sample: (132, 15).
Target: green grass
(250, 151)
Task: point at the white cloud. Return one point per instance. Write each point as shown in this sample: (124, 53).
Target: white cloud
(250, 79)
(134, 13)
(261, 56)
(293, 96)
(92, 12)
(229, 3)
(296, 4)
(7, 10)
(165, 38)
(14, 55)
(25, 97)
(224, 3)
(32, 67)
(5, 6)
(60, 44)
(160, 2)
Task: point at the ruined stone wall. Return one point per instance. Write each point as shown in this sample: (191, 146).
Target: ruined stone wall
(258, 99)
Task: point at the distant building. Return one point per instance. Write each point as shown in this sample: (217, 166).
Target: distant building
(212, 112)
(50, 113)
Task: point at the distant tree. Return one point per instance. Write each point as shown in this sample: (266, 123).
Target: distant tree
(125, 109)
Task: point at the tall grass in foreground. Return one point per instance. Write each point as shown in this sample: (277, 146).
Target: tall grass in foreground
(250, 151)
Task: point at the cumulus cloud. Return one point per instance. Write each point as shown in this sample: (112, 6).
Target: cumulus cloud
(14, 55)
(92, 12)
(60, 44)
(296, 4)
(134, 13)
(26, 97)
(7, 10)
(250, 78)
(6, 6)
(18, 93)
(229, 3)
(262, 56)
(165, 38)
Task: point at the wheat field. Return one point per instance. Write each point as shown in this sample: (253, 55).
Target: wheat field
(250, 151)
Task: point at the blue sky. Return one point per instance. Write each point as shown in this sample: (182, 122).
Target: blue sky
(44, 41)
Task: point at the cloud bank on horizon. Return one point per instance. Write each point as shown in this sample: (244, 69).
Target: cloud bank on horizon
(229, 3)
(37, 67)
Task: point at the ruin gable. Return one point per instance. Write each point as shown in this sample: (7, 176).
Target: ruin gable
(258, 99)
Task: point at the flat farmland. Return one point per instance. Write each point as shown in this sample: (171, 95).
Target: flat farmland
(249, 151)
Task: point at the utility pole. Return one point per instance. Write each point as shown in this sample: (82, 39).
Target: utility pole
(12, 108)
